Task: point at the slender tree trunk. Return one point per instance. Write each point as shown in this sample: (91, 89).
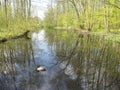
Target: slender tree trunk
(106, 13)
(29, 9)
(6, 14)
(76, 9)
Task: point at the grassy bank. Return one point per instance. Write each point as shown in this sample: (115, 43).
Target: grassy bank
(17, 27)
(111, 36)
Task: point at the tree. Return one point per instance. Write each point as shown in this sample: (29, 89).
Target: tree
(6, 14)
(90, 15)
(106, 14)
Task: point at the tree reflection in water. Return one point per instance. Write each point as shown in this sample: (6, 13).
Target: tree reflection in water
(91, 60)
(16, 57)
(72, 62)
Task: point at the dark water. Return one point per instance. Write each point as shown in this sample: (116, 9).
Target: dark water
(72, 62)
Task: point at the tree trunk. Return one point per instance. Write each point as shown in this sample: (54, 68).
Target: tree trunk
(6, 16)
(76, 9)
(29, 9)
(106, 13)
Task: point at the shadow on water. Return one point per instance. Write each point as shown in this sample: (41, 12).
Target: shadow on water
(72, 62)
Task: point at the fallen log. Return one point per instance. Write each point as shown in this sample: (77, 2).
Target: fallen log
(3, 40)
(24, 35)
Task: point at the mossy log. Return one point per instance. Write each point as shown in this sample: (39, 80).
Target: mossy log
(24, 35)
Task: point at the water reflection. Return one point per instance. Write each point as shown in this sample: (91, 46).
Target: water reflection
(15, 60)
(93, 61)
(72, 62)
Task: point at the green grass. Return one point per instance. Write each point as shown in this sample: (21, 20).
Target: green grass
(112, 36)
(115, 38)
(18, 27)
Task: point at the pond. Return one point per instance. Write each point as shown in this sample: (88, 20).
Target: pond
(72, 62)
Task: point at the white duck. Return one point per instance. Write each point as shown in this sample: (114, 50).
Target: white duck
(40, 68)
